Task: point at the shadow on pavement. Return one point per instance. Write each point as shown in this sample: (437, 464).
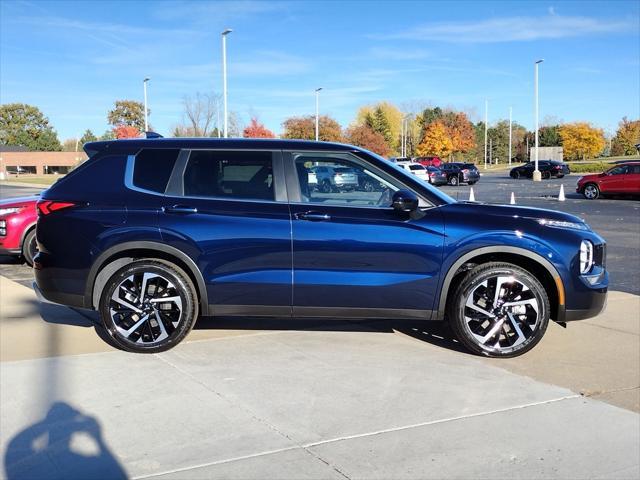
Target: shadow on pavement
(66, 443)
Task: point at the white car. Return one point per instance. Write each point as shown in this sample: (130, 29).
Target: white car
(417, 169)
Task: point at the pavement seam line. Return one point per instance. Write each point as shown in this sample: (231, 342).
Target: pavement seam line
(350, 437)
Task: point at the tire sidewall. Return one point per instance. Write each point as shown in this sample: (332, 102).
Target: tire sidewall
(471, 281)
(185, 290)
(29, 238)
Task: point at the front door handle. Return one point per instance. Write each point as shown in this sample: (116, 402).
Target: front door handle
(180, 209)
(313, 216)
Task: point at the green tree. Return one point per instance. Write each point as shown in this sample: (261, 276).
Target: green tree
(627, 137)
(108, 135)
(549, 136)
(87, 137)
(377, 121)
(25, 125)
(128, 113)
(499, 136)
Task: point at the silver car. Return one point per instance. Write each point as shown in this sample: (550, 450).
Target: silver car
(332, 179)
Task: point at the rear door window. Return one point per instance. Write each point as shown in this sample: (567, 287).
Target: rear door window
(153, 167)
(229, 174)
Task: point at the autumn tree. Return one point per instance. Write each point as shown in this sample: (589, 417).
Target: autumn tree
(304, 128)
(127, 113)
(461, 132)
(256, 129)
(25, 125)
(201, 112)
(126, 131)
(70, 145)
(435, 141)
(365, 137)
(392, 121)
(580, 140)
(627, 137)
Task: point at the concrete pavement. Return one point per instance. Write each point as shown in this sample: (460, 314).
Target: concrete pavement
(365, 400)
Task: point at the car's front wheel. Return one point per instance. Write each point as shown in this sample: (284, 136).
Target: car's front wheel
(591, 191)
(499, 310)
(453, 180)
(149, 306)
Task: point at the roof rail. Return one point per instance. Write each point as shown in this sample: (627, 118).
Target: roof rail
(153, 135)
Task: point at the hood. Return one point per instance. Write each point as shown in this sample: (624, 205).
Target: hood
(18, 201)
(589, 176)
(510, 212)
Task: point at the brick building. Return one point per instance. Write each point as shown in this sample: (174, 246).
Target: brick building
(18, 160)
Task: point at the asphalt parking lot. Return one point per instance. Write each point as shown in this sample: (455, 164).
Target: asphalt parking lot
(250, 398)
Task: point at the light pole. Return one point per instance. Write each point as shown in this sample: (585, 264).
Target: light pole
(510, 121)
(486, 119)
(537, 176)
(224, 77)
(402, 138)
(318, 113)
(146, 115)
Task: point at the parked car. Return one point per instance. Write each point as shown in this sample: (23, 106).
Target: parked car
(332, 179)
(548, 169)
(437, 176)
(418, 170)
(458, 172)
(166, 230)
(622, 179)
(18, 227)
(429, 161)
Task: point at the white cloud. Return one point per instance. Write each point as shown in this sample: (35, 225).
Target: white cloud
(510, 29)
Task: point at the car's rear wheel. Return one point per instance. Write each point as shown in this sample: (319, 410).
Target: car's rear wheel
(29, 247)
(546, 175)
(591, 191)
(453, 180)
(499, 310)
(149, 306)
(472, 183)
(515, 174)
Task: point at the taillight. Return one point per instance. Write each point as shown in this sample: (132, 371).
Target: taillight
(557, 167)
(45, 207)
(465, 170)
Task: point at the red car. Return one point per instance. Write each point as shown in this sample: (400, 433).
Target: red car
(18, 227)
(429, 161)
(621, 179)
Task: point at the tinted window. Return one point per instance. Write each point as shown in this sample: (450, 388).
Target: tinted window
(416, 167)
(636, 169)
(618, 170)
(153, 168)
(243, 175)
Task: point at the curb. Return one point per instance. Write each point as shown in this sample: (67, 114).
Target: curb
(23, 184)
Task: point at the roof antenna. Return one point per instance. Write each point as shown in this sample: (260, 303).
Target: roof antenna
(152, 135)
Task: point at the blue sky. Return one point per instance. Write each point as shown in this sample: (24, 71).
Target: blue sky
(73, 59)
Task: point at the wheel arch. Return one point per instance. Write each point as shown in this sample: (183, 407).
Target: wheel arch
(114, 258)
(539, 266)
(25, 232)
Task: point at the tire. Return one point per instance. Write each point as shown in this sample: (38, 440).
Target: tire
(502, 337)
(546, 175)
(472, 183)
(368, 186)
(515, 175)
(166, 323)
(560, 176)
(591, 191)
(29, 247)
(453, 181)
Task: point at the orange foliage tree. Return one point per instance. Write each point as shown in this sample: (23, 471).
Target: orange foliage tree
(256, 129)
(126, 131)
(365, 137)
(436, 141)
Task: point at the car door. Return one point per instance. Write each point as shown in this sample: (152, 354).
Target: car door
(614, 180)
(228, 210)
(632, 180)
(354, 255)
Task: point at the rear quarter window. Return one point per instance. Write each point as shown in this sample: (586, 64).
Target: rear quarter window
(153, 167)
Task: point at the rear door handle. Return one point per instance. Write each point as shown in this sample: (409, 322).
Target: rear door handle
(313, 217)
(180, 209)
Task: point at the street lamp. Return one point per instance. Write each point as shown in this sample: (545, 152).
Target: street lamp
(318, 113)
(146, 115)
(224, 76)
(486, 120)
(510, 123)
(537, 176)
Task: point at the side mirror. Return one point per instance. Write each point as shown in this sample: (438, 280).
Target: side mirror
(405, 201)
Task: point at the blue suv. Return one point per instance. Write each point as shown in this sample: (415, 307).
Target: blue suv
(153, 233)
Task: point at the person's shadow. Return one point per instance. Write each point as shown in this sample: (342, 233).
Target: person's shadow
(66, 444)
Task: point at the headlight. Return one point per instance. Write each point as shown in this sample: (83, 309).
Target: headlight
(586, 256)
(7, 211)
(563, 224)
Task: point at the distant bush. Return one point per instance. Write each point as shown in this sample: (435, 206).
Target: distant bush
(595, 167)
